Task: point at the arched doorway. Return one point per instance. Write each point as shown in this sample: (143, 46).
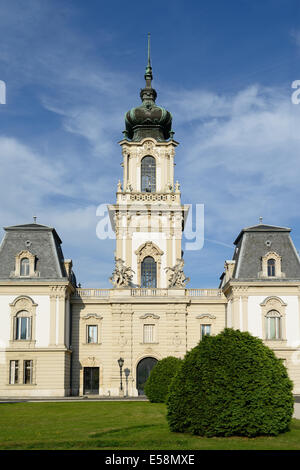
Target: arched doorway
(143, 370)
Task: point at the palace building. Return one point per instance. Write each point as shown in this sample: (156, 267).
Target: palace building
(58, 339)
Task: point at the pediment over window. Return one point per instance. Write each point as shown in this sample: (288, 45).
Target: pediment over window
(206, 315)
(92, 315)
(273, 302)
(149, 315)
(149, 249)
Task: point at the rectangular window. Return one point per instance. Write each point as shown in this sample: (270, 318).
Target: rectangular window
(148, 334)
(92, 334)
(27, 372)
(13, 372)
(23, 328)
(205, 330)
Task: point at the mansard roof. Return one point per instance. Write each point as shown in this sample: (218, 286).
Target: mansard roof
(253, 243)
(261, 228)
(40, 240)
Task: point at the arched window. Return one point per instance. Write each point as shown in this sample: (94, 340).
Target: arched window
(271, 267)
(148, 175)
(24, 267)
(23, 326)
(273, 325)
(148, 272)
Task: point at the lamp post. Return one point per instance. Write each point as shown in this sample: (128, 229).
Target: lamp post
(121, 362)
(126, 372)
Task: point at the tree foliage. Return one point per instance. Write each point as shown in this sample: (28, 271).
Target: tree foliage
(231, 384)
(156, 387)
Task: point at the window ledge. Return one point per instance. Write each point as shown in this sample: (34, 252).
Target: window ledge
(21, 385)
(91, 344)
(154, 342)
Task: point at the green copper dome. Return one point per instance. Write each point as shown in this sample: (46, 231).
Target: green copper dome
(148, 119)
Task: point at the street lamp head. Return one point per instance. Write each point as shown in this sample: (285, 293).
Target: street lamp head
(121, 362)
(126, 372)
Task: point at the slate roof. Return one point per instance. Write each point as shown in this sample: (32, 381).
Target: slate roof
(255, 242)
(45, 244)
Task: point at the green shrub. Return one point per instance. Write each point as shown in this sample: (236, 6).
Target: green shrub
(156, 387)
(230, 384)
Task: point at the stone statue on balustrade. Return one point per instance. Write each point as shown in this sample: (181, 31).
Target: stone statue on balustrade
(177, 277)
(122, 275)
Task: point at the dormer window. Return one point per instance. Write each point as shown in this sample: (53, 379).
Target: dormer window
(24, 267)
(271, 267)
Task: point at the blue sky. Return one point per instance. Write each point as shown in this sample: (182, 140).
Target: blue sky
(224, 70)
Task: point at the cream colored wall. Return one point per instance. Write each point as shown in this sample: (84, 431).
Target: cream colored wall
(245, 312)
(48, 374)
(42, 329)
(177, 331)
(50, 365)
(5, 300)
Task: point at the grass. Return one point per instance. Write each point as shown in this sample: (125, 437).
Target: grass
(114, 425)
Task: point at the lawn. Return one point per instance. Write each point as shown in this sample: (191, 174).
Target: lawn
(113, 425)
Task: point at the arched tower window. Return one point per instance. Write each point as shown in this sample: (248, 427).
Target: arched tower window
(148, 274)
(24, 267)
(148, 175)
(271, 267)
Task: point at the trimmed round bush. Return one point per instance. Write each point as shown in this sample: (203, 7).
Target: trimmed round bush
(230, 384)
(156, 387)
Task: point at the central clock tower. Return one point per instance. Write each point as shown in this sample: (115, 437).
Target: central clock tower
(148, 217)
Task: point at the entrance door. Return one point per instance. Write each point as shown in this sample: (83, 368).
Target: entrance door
(91, 381)
(143, 371)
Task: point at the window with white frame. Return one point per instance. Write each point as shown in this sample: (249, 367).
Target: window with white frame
(27, 372)
(205, 330)
(14, 372)
(273, 325)
(271, 267)
(148, 336)
(24, 267)
(23, 326)
(92, 334)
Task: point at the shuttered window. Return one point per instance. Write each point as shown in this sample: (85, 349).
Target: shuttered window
(13, 372)
(148, 333)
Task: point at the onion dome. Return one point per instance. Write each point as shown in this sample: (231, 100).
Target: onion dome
(148, 119)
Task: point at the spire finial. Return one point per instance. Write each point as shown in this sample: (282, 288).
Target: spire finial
(149, 62)
(148, 73)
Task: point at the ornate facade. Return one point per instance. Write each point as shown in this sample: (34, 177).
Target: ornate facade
(58, 339)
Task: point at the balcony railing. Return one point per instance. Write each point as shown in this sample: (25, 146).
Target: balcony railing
(146, 292)
(92, 292)
(204, 292)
